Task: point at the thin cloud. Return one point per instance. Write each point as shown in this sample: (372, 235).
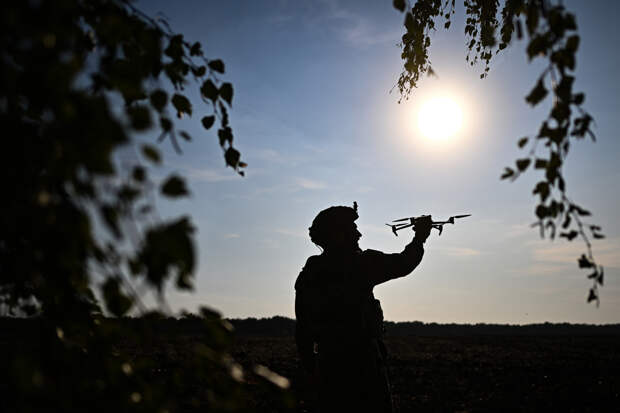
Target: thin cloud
(519, 230)
(270, 243)
(310, 184)
(546, 268)
(231, 236)
(606, 252)
(365, 189)
(292, 233)
(356, 29)
(208, 174)
(460, 252)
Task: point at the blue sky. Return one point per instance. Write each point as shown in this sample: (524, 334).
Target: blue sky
(315, 120)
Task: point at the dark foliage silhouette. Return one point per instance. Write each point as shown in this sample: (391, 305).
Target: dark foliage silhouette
(551, 34)
(79, 80)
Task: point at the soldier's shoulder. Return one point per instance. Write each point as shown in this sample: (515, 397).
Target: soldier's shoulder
(371, 254)
(308, 272)
(372, 260)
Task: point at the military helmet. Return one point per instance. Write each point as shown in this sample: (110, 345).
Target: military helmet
(328, 220)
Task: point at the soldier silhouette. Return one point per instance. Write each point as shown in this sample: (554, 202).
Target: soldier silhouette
(339, 331)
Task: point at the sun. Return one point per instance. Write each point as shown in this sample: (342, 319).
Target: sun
(440, 118)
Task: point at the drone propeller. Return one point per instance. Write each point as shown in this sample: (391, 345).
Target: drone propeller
(461, 216)
(394, 229)
(411, 219)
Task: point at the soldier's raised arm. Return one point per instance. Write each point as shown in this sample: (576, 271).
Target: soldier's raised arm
(384, 267)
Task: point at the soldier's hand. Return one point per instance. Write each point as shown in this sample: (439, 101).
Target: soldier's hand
(422, 227)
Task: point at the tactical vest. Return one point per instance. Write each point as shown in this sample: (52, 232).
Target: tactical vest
(338, 304)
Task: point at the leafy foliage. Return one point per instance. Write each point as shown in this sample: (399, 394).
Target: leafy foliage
(551, 33)
(78, 80)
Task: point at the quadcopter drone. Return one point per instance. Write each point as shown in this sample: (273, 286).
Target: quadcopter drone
(438, 225)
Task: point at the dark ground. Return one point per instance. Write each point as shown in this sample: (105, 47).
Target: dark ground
(479, 373)
(433, 367)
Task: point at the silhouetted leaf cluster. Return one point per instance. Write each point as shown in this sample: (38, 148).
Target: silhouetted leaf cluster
(551, 34)
(79, 79)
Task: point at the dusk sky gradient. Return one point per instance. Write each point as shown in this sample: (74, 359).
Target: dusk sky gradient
(314, 118)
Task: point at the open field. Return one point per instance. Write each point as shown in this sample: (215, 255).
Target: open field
(455, 369)
(480, 374)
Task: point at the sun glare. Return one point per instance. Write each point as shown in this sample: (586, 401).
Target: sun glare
(440, 118)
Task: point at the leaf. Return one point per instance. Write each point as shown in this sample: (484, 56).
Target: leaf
(159, 98)
(537, 94)
(537, 46)
(139, 174)
(140, 117)
(399, 5)
(564, 89)
(174, 187)
(208, 121)
(601, 275)
(274, 378)
(181, 104)
(175, 49)
(199, 71)
(110, 217)
(592, 296)
(151, 153)
(226, 92)
(127, 193)
(196, 49)
(584, 262)
(579, 210)
(209, 90)
(572, 43)
(532, 17)
(541, 163)
(569, 235)
(542, 188)
(232, 157)
(522, 164)
(225, 135)
(522, 142)
(217, 65)
(447, 25)
(508, 172)
(578, 98)
(561, 111)
(168, 247)
(165, 123)
(184, 282)
(542, 211)
(185, 135)
(115, 300)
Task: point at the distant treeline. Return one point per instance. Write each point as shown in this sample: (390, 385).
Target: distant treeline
(283, 326)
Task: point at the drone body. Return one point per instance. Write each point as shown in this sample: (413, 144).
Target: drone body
(438, 225)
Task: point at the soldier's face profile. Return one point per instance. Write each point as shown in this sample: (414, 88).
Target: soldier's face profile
(347, 238)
